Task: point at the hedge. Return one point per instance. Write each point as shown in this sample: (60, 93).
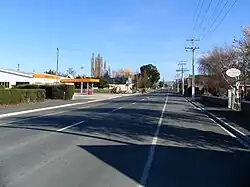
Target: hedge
(17, 96)
(60, 91)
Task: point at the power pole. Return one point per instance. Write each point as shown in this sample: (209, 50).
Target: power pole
(193, 48)
(57, 58)
(177, 82)
(182, 70)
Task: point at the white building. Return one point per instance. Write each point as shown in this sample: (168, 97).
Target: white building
(9, 78)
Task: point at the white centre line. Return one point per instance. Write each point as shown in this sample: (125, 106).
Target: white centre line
(133, 103)
(67, 127)
(150, 159)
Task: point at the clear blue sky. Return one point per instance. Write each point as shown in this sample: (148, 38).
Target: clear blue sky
(127, 33)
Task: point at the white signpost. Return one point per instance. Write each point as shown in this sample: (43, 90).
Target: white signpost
(233, 94)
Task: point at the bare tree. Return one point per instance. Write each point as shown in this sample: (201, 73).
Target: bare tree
(242, 47)
(214, 64)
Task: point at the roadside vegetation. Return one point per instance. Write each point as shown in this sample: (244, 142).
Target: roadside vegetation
(35, 93)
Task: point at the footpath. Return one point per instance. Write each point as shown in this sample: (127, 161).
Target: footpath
(235, 122)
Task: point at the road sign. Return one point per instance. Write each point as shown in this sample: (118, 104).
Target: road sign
(233, 72)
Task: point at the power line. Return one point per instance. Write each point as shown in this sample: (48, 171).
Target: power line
(206, 11)
(197, 9)
(223, 18)
(217, 17)
(213, 13)
(197, 18)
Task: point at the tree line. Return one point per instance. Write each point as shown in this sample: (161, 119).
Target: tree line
(217, 61)
(146, 78)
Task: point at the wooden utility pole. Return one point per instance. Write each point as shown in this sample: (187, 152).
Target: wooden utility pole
(193, 48)
(182, 70)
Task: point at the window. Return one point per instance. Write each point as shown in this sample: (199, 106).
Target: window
(5, 84)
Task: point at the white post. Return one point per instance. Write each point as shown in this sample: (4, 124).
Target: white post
(87, 88)
(81, 87)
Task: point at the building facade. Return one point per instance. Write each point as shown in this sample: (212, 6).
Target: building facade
(9, 78)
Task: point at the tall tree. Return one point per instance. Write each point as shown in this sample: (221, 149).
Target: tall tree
(152, 73)
(71, 71)
(50, 71)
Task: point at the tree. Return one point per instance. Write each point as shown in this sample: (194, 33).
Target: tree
(143, 81)
(214, 64)
(53, 72)
(161, 84)
(242, 47)
(151, 72)
(71, 71)
(50, 71)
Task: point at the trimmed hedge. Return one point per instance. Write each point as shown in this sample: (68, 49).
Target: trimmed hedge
(17, 96)
(60, 91)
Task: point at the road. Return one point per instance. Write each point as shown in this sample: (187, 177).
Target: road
(155, 140)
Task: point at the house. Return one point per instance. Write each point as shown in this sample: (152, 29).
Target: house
(9, 78)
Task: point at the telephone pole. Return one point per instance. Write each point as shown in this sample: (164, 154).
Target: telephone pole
(177, 81)
(57, 58)
(182, 70)
(193, 48)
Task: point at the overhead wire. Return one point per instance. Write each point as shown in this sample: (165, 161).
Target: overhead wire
(223, 18)
(205, 14)
(213, 13)
(209, 30)
(197, 18)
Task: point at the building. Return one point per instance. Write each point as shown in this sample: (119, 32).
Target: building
(9, 78)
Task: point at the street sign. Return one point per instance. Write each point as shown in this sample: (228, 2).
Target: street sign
(233, 72)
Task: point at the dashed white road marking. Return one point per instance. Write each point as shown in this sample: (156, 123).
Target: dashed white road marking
(116, 109)
(67, 127)
(150, 159)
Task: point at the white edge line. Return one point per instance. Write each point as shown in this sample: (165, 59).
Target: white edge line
(148, 164)
(221, 120)
(51, 108)
(231, 134)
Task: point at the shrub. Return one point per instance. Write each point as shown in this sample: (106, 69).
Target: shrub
(60, 91)
(69, 91)
(114, 90)
(17, 96)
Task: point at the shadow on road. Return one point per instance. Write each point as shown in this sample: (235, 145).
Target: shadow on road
(187, 157)
(133, 124)
(177, 166)
(236, 117)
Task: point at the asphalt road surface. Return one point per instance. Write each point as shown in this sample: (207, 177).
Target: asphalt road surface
(155, 140)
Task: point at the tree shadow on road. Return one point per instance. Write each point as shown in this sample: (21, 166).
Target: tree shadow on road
(196, 157)
(134, 125)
